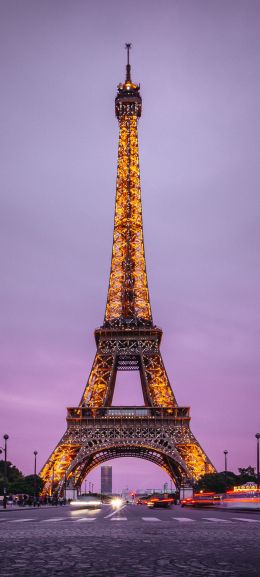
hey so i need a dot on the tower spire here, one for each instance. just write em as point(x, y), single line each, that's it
point(128, 65)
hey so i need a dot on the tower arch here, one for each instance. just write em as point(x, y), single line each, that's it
point(85, 463)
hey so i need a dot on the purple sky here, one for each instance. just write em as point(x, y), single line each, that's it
point(198, 65)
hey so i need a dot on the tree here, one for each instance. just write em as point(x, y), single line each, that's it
point(13, 475)
point(222, 482)
point(246, 475)
point(12, 472)
point(216, 482)
point(26, 486)
point(17, 483)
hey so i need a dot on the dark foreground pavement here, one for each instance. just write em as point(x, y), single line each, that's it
point(133, 542)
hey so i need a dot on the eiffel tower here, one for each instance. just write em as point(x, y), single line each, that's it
point(128, 340)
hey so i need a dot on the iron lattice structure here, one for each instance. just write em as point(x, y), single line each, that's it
point(128, 340)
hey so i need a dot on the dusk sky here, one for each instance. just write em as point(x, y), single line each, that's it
point(198, 65)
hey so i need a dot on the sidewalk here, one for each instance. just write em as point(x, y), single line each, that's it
point(30, 507)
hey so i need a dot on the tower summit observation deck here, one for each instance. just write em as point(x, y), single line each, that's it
point(128, 340)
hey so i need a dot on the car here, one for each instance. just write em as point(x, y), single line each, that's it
point(156, 502)
point(187, 502)
point(87, 502)
point(142, 501)
point(199, 500)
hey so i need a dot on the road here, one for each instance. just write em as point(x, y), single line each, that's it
point(132, 542)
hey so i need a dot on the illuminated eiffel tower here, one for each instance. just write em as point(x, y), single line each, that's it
point(128, 340)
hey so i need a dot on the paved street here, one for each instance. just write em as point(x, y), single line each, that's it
point(132, 542)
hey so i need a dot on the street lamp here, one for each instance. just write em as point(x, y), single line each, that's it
point(34, 483)
point(6, 437)
point(65, 486)
point(257, 436)
point(52, 483)
point(225, 453)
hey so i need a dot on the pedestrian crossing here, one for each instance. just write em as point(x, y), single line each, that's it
point(150, 519)
point(84, 520)
point(52, 520)
point(183, 519)
point(19, 520)
point(216, 520)
point(247, 520)
point(118, 518)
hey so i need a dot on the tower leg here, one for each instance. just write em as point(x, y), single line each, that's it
point(158, 387)
point(54, 470)
point(101, 382)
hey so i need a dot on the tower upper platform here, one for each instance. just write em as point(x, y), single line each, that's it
point(128, 100)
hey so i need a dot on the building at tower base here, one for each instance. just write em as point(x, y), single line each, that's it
point(106, 480)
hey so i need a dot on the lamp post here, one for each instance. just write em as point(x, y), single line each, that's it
point(6, 437)
point(257, 436)
point(52, 482)
point(225, 453)
point(34, 481)
point(65, 487)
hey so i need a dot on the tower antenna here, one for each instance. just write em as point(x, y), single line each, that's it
point(128, 46)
